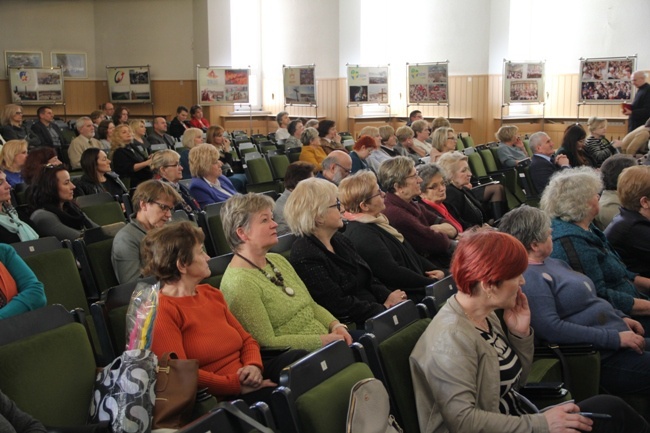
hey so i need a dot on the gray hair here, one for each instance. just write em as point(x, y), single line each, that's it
point(80, 122)
point(535, 140)
point(403, 133)
point(309, 200)
point(428, 172)
point(449, 163)
point(308, 135)
point(238, 211)
point(393, 172)
point(527, 224)
point(419, 125)
point(280, 115)
point(311, 123)
point(568, 193)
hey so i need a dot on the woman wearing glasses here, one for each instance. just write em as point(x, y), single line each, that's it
point(54, 211)
point(97, 176)
point(12, 126)
point(166, 167)
point(443, 141)
point(215, 136)
point(326, 261)
point(153, 202)
point(209, 185)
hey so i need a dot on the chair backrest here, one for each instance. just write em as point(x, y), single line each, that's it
point(315, 390)
point(285, 242)
point(397, 331)
point(254, 154)
point(476, 165)
point(218, 266)
point(279, 165)
point(105, 213)
point(210, 222)
point(37, 246)
point(259, 170)
point(293, 154)
point(489, 161)
point(49, 370)
point(94, 199)
point(441, 291)
point(459, 144)
point(467, 140)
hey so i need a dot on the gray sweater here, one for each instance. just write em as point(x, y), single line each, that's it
point(125, 254)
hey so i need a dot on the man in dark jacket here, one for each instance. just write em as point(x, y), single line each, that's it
point(640, 111)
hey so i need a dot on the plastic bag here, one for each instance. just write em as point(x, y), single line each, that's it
point(141, 316)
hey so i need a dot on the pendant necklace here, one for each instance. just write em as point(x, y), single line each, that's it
point(276, 279)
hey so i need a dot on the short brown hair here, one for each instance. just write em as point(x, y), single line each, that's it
point(633, 184)
point(297, 171)
point(151, 190)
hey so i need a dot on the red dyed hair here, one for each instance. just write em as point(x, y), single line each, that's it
point(365, 141)
point(489, 257)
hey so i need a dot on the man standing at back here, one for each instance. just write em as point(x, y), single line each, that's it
point(84, 141)
point(640, 111)
point(49, 133)
point(159, 134)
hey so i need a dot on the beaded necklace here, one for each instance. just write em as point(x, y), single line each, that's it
point(276, 279)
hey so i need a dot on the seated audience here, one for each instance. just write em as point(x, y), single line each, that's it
point(421, 134)
point(294, 129)
point(405, 146)
point(140, 134)
point(391, 258)
point(636, 141)
point(312, 150)
point(179, 123)
point(629, 232)
point(467, 204)
point(296, 172)
point(566, 310)
point(597, 146)
point(197, 120)
point(571, 200)
point(372, 132)
point(121, 115)
point(425, 231)
point(443, 141)
point(192, 137)
point(511, 150)
point(12, 160)
point(263, 290)
point(159, 133)
point(48, 132)
point(283, 122)
point(54, 211)
point(209, 185)
point(14, 420)
point(12, 229)
point(97, 176)
point(35, 161)
point(191, 316)
point(573, 146)
point(108, 109)
point(12, 127)
point(83, 141)
point(153, 202)
point(609, 203)
point(166, 167)
point(232, 168)
point(129, 161)
point(335, 167)
point(362, 149)
point(335, 274)
point(96, 117)
point(413, 116)
point(433, 192)
point(20, 290)
point(330, 139)
point(104, 133)
point(387, 149)
point(466, 368)
point(439, 122)
point(544, 162)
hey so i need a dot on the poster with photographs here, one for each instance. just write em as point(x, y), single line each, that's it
point(36, 85)
point(523, 82)
point(222, 85)
point(299, 85)
point(128, 84)
point(428, 83)
point(606, 80)
point(367, 85)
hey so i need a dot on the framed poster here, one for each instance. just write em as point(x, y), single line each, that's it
point(24, 59)
point(367, 84)
point(606, 80)
point(299, 85)
point(36, 85)
point(427, 83)
point(72, 64)
point(523, 82)
point(222, 85)
point(128, 84)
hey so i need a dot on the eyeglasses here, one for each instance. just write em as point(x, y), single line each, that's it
point(163, 207)
point(412, 175)
point(436, 185)
point(373, 196)
point(19, 112)
point(172, 165)
point(337, 205)
point(347, 170)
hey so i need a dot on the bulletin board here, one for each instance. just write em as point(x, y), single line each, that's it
point(219, 85)
point(367, 84)
point(36, 86)
point(129, 84)
point(299, 85)
point(523, 82)
point(428, 83)
point(606, 80)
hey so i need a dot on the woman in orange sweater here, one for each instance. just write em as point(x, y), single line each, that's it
point(193, 319)
point(312, 151)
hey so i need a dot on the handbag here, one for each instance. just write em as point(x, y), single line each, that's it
point(176, 384)
point(123, 392)
point(369, 409)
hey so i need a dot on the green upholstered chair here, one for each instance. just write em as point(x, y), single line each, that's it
point(210, 223)
point(439, 292)
point(101, 208)
point(224, 420)
point(468, 141)
point(218, 266)
point(259, 175)
point(48, 367)
point(285, 242)
point(391, 337)
point(294, 154)
point(314, 391)
point(279, 165)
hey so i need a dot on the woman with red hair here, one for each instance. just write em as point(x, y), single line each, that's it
point(361, 150)
point(465, 357)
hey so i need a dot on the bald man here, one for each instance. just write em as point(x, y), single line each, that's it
point(336, 167)
point(640, 112)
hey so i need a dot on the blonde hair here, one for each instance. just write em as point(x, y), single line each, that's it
point(9, 111)
point(440, 122)
point(385, 132)
point(357, 188)
point(403, 133)
point(634, 184)
point(370, 131)
point(163, 158)
point(9, 151)
point(134, 123)
point(439, 138)
point(506, 133)
point(595, 123)
point(189, 135)
point(237, 212)
point(201, 159)
point(116, 140)
point(309, 200)
point(449, 163)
